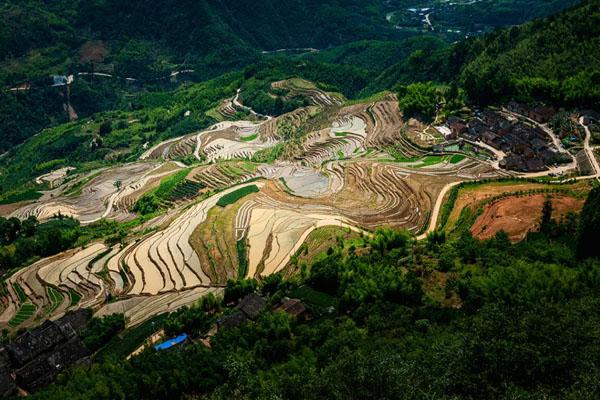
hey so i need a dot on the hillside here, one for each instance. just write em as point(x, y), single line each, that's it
point(389, 319)
point(142, 41)
point(552, 59)
point(205, 39)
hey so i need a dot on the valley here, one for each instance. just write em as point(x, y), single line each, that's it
point(340, 199)
point(338, 172)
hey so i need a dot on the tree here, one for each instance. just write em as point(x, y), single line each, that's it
point(28, 226)
point(419, 99)
point(118, 184)
point(236, 290)
point(546, 220)
point(105, 128)
point(589, 226)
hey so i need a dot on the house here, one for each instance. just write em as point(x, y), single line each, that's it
point(513, 162)
point(248, 309)
point(517, 108)
point(38, 355)
point(538, 144)
point(252, 305)
point(232, 320)
point(541, 114)
point(42, 371)
point(7, 383)
point(21, 87)
point(549, 156)
point(293, 307)
point(457, 128)
point(35, 342)
point(488, 137)
point(62, 80)
point(535, 165)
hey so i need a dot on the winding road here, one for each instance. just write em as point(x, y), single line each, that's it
point(433, 220)
point(589, 150)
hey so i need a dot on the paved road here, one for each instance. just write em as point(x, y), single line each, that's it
point(428, 20)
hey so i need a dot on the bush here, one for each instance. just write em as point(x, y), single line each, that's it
point(231, 198)
point(100, 330)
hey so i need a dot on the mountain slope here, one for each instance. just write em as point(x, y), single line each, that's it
point(553, 59)
point(556, 59)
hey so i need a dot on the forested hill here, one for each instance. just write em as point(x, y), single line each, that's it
point(149, 36)
point(556, 59)
point(553, 59)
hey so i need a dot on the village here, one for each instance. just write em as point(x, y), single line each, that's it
point(518, 136)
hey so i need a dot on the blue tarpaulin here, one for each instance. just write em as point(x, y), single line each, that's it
point(171, 342)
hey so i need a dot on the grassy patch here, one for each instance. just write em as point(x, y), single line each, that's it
point(168, 184)
point(375, 97)
point(448, 207)
point(20, 292)
point(121, 346)
point(268, 155)
point(313, 297)
point(234, 196)
point(75, 297)
point(184, 190)
point(466, 220)
point(249, 138)
point(56, 298)
point(431, 160)
point(456, 158)
point(242, 251)
point(25, 312)
point(30, 194)
point(341, 134)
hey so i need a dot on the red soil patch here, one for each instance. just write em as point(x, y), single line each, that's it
point(519, 215)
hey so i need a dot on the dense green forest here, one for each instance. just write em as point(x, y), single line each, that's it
point(553, 59)
point(392, 318)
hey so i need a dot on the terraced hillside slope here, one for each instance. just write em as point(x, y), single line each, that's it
point(252, 193)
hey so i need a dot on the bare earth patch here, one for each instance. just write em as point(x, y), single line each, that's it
point(474, 196)
point(519, 215)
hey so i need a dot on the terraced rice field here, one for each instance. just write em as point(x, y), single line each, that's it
point(25, 312)
point(300, 88)
point(275, 235)
point(223, 175)
point(99, 197)
point(231, 217)
point(225, 140)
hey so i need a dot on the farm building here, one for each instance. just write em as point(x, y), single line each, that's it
point(248, 309)
point(38, 355)
point(7, 384)
point(293, 307)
